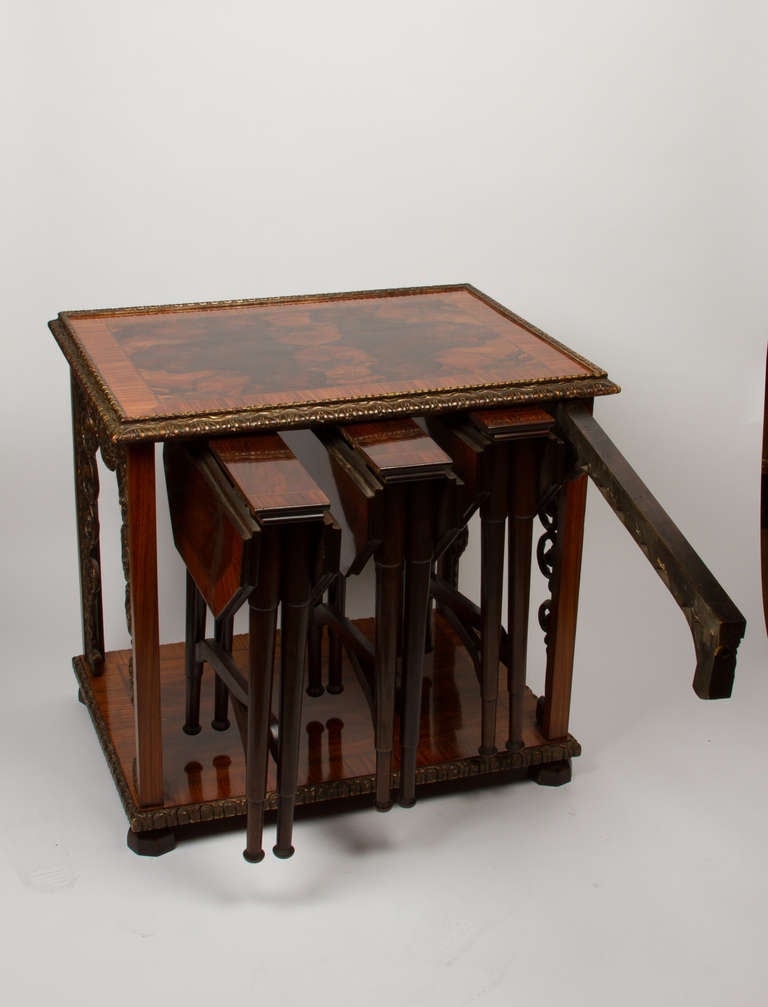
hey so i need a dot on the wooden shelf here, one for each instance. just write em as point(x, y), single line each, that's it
point(204, 775)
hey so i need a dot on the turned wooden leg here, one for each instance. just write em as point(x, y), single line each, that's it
point(418, 568)
point(142, 559)
point(314, 658)
point(299, 545)
point(562, 617)
point(389, 581)
point(337, 600)
point(195, 632)
point(522, 509)
point(493, 515)
point(223, 632)
point(262, 622)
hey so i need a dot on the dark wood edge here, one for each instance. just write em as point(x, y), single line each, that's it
point(149, 819)
point(716, 624)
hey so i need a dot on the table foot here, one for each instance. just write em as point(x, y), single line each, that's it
point(552, 774)
point(151, 844)
point(253, 858)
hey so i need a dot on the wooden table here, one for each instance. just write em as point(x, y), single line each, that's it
point(143, 375)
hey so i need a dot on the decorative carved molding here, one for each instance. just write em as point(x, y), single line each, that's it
point(417, 403)
point(86, 441)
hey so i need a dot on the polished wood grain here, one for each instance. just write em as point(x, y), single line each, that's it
point(142, 550)
point(273, 482)
point(337, 734)
point(201, 359)
point(523, 485)
point(397, 448)
point(512, 421)
point(212, 534)
point(565, 600)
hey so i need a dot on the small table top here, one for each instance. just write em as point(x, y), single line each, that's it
point(226, 367)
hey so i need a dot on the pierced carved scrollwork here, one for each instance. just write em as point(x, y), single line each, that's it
point(85, 428)
point(545, 557)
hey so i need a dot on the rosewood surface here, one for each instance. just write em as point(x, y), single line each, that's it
point(169, 371)
point(204, 775)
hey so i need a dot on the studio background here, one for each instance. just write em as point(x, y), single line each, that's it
point(600, 169)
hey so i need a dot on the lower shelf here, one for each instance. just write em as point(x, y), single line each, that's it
point(204, 774)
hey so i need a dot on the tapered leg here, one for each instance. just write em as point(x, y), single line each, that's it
point(314, 658)
point(299, 545)
point(223, 633)
point(522, 508)
point(262, 621)
point(418, 568)
point(142, 558)
point(195, 631)
point(493, 514)
point(337, 593)
point(389, 585)
point(565, 598)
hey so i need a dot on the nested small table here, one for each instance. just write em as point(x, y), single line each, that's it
point(144, 375)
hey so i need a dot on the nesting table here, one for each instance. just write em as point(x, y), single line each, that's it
point(141, 376)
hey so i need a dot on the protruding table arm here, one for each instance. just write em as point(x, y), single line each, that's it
point(716, 624)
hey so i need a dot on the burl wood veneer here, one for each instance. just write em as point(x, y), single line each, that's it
point(177, 370)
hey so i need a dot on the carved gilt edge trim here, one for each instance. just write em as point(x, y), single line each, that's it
point(311, 414)
point(147, 819)
point(85, 438)
point(597, 372)
point(119, 430)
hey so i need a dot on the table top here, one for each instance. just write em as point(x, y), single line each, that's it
point(225, 367)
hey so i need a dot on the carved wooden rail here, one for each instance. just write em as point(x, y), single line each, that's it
point(716, 624)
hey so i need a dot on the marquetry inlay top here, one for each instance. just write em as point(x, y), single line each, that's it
point(291, 357)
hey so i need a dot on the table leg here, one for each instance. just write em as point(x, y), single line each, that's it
point(142, 559)
point(493, 519)
point(262, 608)
point(85, 444)
point(389, 582)
point(418, 569)
point(565, 599)
point(296, 564)
point(521, 513)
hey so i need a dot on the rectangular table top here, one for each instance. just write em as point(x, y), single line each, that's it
point(225, 367)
